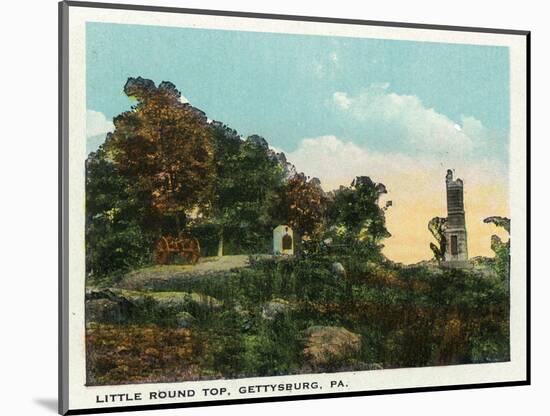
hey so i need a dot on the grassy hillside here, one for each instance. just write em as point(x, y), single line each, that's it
point(293, 315)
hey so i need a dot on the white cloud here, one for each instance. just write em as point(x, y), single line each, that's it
point(336, 162)
point(472, 127)
point(341, 99)
point(416, 187)
point(406, 121)
point(97, 124)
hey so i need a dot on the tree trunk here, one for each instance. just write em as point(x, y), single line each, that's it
point(220, 244)
point(297, 243)
point(178, 225)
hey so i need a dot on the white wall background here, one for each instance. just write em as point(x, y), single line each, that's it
point(28, 208)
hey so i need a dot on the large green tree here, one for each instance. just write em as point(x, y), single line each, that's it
point(501, 248)
point(356, 209)
point(248, 178)
point(115, 218)
point(226, 195)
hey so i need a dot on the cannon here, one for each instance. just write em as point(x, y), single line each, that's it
point(168, 247)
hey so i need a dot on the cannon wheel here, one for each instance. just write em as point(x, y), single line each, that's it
point(190, 249)
point(162, 251)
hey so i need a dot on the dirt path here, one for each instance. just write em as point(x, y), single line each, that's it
point(168, 276)
point(220, 263)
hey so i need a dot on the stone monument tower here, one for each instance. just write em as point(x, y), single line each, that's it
point(456, 248)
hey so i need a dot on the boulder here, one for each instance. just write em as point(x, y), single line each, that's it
point(180, 301)
point(120, 306)
point(326, 344)
point(275, 308)
point(105, 306)
point(185, 320)
point(338, 270)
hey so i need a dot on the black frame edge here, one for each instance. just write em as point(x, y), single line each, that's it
point(63, 199)
point(528, 207)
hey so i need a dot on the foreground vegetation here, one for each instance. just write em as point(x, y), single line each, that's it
point(287, 316)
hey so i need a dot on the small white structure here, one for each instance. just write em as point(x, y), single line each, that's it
point(283, 240)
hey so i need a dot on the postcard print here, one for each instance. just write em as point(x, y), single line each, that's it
point(269, 205)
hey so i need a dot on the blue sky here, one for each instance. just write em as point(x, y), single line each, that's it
point(282, 86)
point(401, 112)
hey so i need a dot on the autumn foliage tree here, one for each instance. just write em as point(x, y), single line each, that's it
point(164, 147)
point(302, 204)
point(166, 169)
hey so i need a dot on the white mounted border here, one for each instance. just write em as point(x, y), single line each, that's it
point(75, 397)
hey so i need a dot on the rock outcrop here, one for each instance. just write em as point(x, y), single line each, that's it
point(275, 308)
point(117, 306)
point(324, 344)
